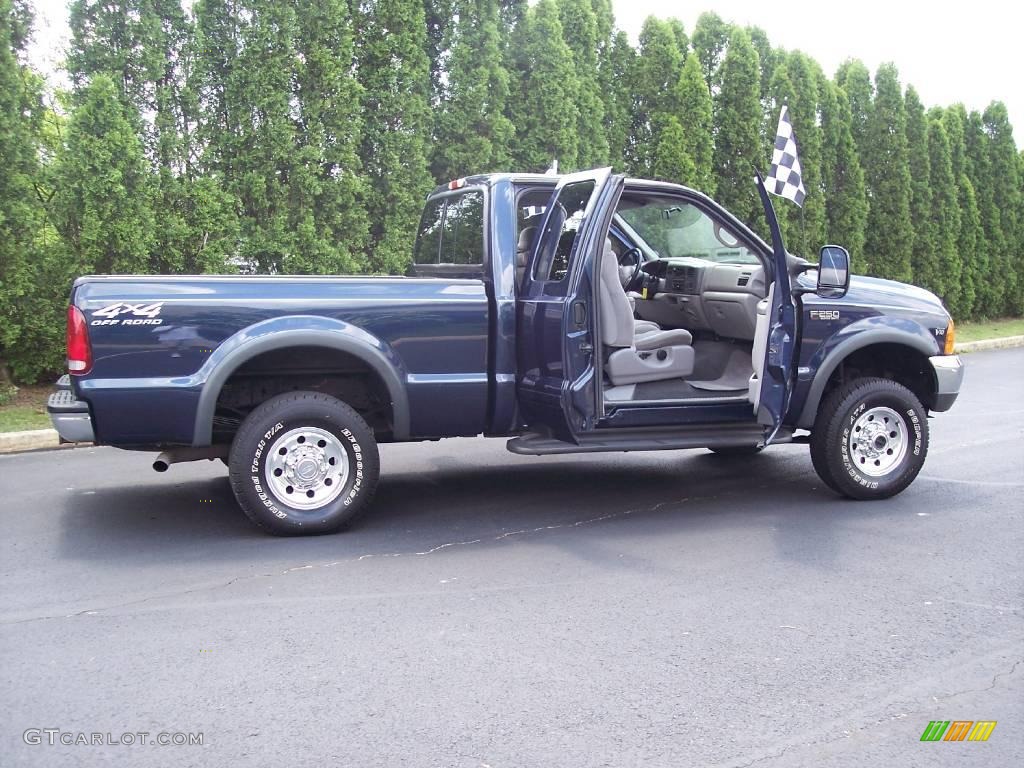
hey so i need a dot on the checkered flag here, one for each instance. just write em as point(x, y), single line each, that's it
point(785, 179)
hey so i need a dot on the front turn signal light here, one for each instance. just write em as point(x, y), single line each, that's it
point(950, 338)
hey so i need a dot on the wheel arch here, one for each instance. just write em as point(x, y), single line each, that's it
point(883, 341)
point(300, 331)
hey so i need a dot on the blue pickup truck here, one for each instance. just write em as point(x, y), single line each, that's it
point(567, 314)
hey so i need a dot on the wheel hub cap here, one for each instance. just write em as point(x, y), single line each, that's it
point(306, 468)
point(878, 441)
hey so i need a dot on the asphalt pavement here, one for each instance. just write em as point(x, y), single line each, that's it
point(658, 609)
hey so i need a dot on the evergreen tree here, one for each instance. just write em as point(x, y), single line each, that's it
point(657, 70)
point(474, 134)
point(988, 286)
point(438, 17)
point(737, 118)
point(845, 195)
point(855, 79)
point(619, 99)
point(971, 241)
point(796, 83)
point(946, 281)
point(1005, 184)
point(671, 159)
point(710, 40)
point(890, 231)
point(102, 186)
point(543, 103)
point(580, 28)
point(395, 74)
point(924, 258)
point(695, 119)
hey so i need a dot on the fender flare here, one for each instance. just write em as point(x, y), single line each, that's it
point(299, 331)
point(919, 342)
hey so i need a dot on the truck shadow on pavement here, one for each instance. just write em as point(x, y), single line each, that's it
point(607, 496)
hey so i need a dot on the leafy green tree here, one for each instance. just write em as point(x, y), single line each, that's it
point(710, 40)
point(102, 198)
point(543, 104)
point(438, 17)
point(989, 289)
point(890, 230)
point(695, 119)
point(657, 70)
point(1005, 183)
point(947, 280)
point(737, 108)
point(855, 79)
point(580, 28)
point(796, 83)
point(671, 159)
point(924, 258)
point(474, 134)
point(34, 276)
point(845, 195)
point(395, 74)
point(618, 102)
point(971, 246)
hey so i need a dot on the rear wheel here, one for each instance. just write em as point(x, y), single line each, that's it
point(870, 439)
point(303, 463)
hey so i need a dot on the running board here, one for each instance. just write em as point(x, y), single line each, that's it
point(672, 439)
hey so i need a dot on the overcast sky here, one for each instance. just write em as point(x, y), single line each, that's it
point(951, 51)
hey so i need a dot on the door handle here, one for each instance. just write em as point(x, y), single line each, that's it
point(579, 314)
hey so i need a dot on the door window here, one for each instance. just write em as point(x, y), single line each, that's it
point(555, 262)
point(677, 229)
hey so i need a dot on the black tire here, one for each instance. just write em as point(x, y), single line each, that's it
point(288, 414)
point(897, 446)
point(737, 450)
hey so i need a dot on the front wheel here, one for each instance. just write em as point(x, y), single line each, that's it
point(303, 463)
point(870, 439)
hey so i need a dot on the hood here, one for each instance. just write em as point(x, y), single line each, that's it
point(876, 291)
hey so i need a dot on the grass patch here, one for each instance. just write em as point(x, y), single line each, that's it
point(26, 410)
point(15, 418)
point(990, 329)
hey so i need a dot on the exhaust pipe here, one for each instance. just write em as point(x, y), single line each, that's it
point(188, 453)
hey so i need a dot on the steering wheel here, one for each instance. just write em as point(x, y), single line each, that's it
point(629, 266)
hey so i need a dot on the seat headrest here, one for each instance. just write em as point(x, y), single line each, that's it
point(525, 245)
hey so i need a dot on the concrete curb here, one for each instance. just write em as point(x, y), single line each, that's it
point(1005, 342)
point(29, 440)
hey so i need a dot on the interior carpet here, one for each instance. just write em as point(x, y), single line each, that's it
point(735, 377)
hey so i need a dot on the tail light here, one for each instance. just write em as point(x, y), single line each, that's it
point(79, 348)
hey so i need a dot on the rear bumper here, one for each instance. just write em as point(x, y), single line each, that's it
point(70, 416)
point(949, 375)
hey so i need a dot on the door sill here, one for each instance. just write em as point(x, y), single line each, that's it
point(654, 439)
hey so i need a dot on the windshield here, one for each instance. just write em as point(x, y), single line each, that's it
point(675, 229)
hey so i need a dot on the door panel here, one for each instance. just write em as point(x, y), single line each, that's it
point(777, 370)
point(554, 328)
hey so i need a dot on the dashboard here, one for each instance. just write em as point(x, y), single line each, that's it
point(701, 295)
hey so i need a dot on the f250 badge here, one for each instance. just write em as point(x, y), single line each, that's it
point(824, 314)
point(139, 314)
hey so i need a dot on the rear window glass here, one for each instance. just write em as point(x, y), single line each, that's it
point(452, 230)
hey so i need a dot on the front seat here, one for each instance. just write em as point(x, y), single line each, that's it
point(632, 359)
point(523, 248)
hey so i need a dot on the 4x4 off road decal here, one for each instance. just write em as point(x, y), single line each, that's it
point(139, 314)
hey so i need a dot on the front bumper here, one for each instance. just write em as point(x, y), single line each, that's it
point(949, 375)
point(70, 416)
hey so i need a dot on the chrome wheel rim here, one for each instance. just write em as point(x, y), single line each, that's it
point(306, 468)
point(878, 441)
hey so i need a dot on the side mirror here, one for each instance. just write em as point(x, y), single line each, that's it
point(833, 272)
